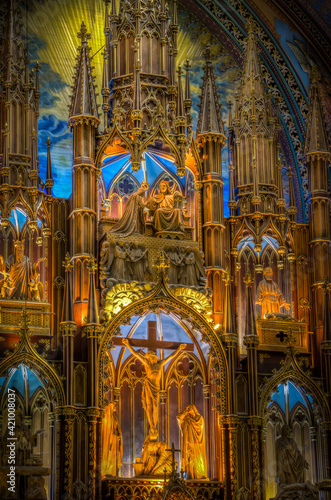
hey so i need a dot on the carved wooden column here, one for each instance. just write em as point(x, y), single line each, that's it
point(65, 416)
point(229, 426)
point(94, 483)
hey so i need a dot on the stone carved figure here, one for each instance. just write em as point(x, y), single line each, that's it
point(166, 216)
point(290, 464)
point(192, 269)
point(152, 382)
point(132, 221)
point(112, 442)
point(156, 456)
point(194, 456)
point(122, 262)
point(138, 255)
point(20, 276)
point(269, 295)
point(306, 491)
point(186, 266)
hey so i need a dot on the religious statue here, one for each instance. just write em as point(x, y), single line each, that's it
point(151, 388)
point(290, 464)
point(269, 295)
point(138, 255)
point(166, 216)
point(185, 266)
point(132, 221)
point(36, 289)
point(20, 276)
point(192, 269)
point(121, 262)
point(112, 442)
point(173, 254)
point(194, 456)
point(156, 456)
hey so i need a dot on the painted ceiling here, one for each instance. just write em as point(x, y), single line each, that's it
point(287, 56)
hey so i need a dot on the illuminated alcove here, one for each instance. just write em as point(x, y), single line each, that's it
point(34, 428)
point(118, 181)
point(292, 406)
point(186, 379)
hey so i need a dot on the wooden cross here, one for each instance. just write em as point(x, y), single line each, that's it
point(152, 343)
point(173, 451)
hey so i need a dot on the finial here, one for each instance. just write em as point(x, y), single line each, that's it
point(226, 277)
point(314, 74)
point(92, 265)
point(250, 25)
point(67, 264)
point(83, 34)
point(248, 280)
point(326, 285)
point(161, 263)
point(207, 53)
point(48, 142)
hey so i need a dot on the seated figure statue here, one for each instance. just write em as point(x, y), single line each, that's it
point(166, 216)
point(270, 297)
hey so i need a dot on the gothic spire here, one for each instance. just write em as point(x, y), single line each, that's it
point(229, 324)
point(92, 311)
point(67, 311)
point(83, 99)
point(12, 53)
point(252, 77)
point(250, 326)
point(316, 140)
point(49, 175)
point(210, 120)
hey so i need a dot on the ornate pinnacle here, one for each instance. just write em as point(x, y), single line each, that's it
point(227, 278)
point(207, 53)
point(326, 285)
point(92, 265)
point(48, 142)
point(83, 34)
point(161, 263)
point(67, 264)
point(248, 280)
point(250, 25)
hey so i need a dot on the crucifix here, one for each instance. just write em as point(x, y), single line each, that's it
point(173, 451)
point(154, 369)
point(152, 343)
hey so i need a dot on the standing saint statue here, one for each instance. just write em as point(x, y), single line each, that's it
point(290, 464)
point(269, 295)
point(112, 442)
point(194, 456)
point(152, 382)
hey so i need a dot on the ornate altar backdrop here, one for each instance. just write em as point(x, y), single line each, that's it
point(165, 321)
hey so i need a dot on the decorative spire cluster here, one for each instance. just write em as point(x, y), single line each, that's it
point(254, 138)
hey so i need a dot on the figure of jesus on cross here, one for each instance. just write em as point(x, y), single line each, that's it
point(152, 382)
